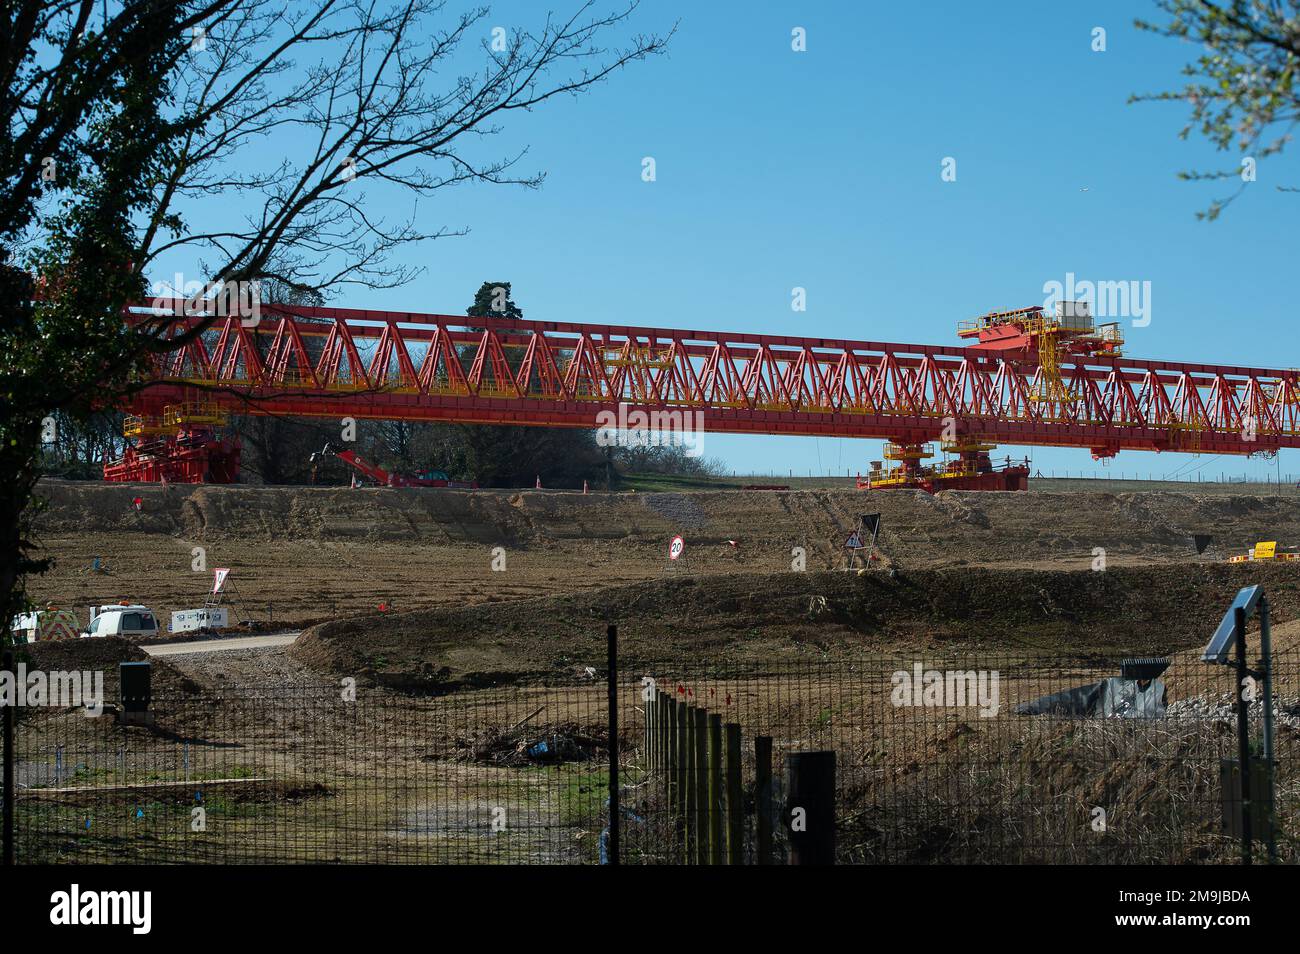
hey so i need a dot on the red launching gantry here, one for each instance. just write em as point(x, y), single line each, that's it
point(1027, 378)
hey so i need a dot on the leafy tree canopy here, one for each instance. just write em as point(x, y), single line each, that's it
point(1243, 88)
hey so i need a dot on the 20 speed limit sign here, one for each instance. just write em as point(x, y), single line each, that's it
point(676, 548)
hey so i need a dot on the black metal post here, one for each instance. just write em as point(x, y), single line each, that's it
point(1243, 731)
point(810, 807)
point(8, 837)
point(1270, 769)
point(611, 651)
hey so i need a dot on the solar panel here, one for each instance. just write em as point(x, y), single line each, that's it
point(1221, 643)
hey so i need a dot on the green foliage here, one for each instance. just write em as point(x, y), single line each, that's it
point(1244, 83)
point(492, 300)
point(502, 456)
point(112, 126)
point(80, 158)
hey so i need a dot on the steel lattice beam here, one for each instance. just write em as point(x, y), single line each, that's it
point(334, 362)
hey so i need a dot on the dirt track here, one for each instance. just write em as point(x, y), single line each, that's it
point(303, 555)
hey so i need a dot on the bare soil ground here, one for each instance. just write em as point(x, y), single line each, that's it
point(305, 555)
point(803, 656)
point(750, 619)
point(1113, 481)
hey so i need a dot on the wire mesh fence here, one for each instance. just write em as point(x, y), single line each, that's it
point(313, 775)
point(967, 760)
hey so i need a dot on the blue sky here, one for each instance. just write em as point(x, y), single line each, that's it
point(821, 169)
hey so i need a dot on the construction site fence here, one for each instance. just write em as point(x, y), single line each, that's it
point(876, 759)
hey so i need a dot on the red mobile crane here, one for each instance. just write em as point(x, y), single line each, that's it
point(428, 478)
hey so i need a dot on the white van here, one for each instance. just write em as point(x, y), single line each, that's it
point(49, 623)
point(129, 620)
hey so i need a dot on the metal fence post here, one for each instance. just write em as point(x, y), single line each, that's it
point(611, 652)
point(1270, 795)
point(1243, 731)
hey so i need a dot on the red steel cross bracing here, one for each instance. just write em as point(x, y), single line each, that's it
point(338, 362)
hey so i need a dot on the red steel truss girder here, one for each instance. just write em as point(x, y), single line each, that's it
point(452, 368)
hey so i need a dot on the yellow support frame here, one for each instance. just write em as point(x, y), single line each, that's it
point(901, 451)
point(194, 412)
point(1051, 387)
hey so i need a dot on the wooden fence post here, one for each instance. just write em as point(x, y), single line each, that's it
point(647, 730)
point(717, 847)
point(763, 796)
point(666, 719)
point(701, 787)
point(692, 790)
point(735, 799)
point(666, 731)
point(670, 724)
point(681, 780)
point(660, 708)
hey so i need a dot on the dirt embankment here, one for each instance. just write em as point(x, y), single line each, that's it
point(302, 555)
point(918, 529)
point(1123, 611)
point(102, 655)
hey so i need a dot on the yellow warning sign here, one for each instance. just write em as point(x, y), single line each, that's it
point(1265, 549)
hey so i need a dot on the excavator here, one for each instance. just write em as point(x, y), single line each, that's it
point(382, 478)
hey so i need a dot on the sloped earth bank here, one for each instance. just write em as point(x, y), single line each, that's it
point(302, 555)
point(777, 618)
point(1002, 577)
